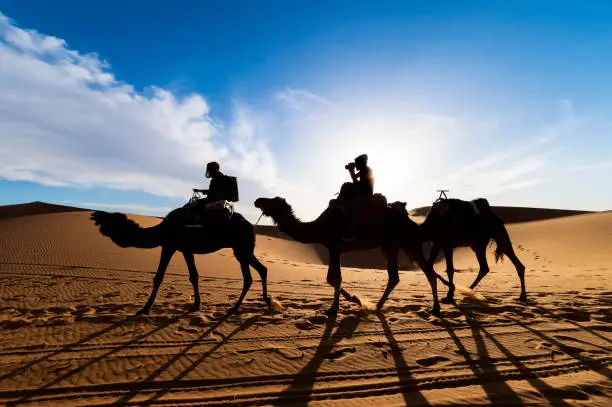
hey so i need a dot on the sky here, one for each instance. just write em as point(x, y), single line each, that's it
point(119, 105)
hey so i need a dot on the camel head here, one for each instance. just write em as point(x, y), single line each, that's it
point(399, 206)
point(273, 207)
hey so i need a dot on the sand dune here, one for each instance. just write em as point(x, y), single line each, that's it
point(69, 337)
point(33, 208)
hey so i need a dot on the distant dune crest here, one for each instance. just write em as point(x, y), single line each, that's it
point(34, 208)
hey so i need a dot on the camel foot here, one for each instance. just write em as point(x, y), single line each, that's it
point(268, 300)
point(448, 300)
point(523, 297)
point(144, 311)
point(331, 311)
point(194, 308)
point(436, 312)
point(233, 310)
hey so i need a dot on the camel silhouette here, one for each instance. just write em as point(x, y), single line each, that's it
point(172, 235)
point(383, 227)
point(453, 223)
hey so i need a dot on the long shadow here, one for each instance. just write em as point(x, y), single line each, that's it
point(299, 392)
point(548, 392)
point(569, 321)
point(243, 326)
point(403, 371)
point(592, 364)
point(554, 396)
point(491, 381)
point(176, 357)
point(66, 348)
point(94, 360)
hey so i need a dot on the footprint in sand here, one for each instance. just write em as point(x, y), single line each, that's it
point(188, 329)
point(289, 353)
point(310, 322)
point(432, 360)
point(340, 353)
point(574, 315)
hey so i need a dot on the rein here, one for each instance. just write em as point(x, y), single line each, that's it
point(275, 227)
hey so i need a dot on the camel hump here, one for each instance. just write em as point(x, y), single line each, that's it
point(481, 206)
point(379, 198)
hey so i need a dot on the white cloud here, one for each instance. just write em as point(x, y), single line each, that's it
point(301, 99)
point(66, 120)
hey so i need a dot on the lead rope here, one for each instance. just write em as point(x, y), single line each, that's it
point(275, 227)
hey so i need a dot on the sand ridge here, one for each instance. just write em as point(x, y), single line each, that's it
point(69, 335)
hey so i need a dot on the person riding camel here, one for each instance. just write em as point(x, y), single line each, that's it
point(222, 188)
point(215, 189)
point(363, 190)
point(364, 178)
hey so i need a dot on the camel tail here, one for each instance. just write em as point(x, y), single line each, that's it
point(500, 234)
point(125, 232)
point(501, 238)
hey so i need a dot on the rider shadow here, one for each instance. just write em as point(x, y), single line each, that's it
point(299, 392)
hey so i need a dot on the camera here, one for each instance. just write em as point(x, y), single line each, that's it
point(349, 166)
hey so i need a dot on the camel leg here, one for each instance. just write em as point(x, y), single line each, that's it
point(433, 254)
point(393, 272)
point(520, 269)
point(164, 260)
point(247, 280)
point(263, 274)
point(481, 255)
point(193, 278)
point(450, 271)
point(334, 278)
point(416, 254)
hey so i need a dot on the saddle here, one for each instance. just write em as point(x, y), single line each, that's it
point(211, 213)
point(363, 212)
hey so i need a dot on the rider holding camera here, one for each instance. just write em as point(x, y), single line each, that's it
point(363, 181)
point(363, 178)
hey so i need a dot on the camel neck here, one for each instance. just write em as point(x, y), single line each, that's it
point(303, 232)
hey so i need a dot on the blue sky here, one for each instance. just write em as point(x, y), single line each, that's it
point(119, 105)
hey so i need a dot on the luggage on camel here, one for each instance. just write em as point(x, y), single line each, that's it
point(203, 212)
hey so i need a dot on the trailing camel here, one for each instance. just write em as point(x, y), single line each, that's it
point(453, 223)
point(172, 235)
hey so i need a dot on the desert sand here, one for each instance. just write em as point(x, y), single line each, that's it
point(68, 334)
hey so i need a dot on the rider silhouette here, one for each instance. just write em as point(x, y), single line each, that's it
point(364, 178)
point(215, 191)
point(221, 188)
point(363, 181)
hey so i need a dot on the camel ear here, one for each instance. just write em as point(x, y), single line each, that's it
point(404, 204)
